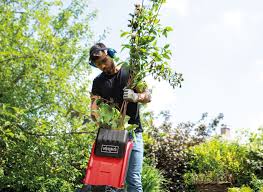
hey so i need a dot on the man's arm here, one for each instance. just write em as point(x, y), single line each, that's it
point(94, 107)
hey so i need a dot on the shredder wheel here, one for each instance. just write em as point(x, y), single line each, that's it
point(89, 188)
point(98, 189)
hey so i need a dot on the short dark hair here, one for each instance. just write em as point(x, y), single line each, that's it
point(93, 49)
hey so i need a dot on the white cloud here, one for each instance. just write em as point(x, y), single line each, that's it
point(181, 7)
point(233, 19)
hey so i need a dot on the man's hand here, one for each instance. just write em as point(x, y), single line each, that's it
point(130, 96)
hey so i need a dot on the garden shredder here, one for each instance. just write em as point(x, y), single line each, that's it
point(109, 158)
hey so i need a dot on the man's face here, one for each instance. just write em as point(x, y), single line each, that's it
point(105, 64)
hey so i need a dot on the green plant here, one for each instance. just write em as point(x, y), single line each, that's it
point(218, 161)
point(256, 184)
point(255, 157)
point(242, 189)
point(152, 179)
point(167, 147)
point(234, 189)
point(110, 117)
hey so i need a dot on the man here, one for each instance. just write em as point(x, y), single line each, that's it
point(111, 86)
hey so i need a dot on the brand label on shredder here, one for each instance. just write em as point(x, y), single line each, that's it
point(109, 149)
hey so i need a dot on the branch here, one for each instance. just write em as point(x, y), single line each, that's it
point(155, 18)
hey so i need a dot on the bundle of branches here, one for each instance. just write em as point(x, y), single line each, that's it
point(147, 57)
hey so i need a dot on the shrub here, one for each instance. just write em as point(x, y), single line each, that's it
point(218, 161)
point(255, 157)
point(256, 184)
point(242, 189)
point(152, 179)
point(167, 147)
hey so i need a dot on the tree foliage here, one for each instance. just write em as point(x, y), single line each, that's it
point(147, 56)
point(43, 94)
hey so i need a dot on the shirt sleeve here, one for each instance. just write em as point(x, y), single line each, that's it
point(95, 90)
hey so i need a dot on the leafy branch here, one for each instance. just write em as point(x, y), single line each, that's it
point(147, 57)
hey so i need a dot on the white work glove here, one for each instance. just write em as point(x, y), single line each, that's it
point(130, 96)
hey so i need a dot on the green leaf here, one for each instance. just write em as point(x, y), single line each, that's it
point(168, 28)
point(166, 56)
point(124, 34)
point(166, 46)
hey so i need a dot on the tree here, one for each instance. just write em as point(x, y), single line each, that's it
point(43, 94)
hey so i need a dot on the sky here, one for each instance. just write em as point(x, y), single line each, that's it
point(217, 45)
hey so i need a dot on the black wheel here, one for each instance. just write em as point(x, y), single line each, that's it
point(99, 188)
point(93, 188)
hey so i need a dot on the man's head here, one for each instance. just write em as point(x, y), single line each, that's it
point(99, 56)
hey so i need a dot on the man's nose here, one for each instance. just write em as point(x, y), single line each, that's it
point(103, 67)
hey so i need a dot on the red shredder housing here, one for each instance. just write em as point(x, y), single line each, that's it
point(105, 170)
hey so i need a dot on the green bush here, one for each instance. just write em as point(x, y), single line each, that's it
point(256, 184)
point(255, 157)
point(152, 179)
point(234, 189)
point(167, 147)
point(218, 160)
point(242, 189)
